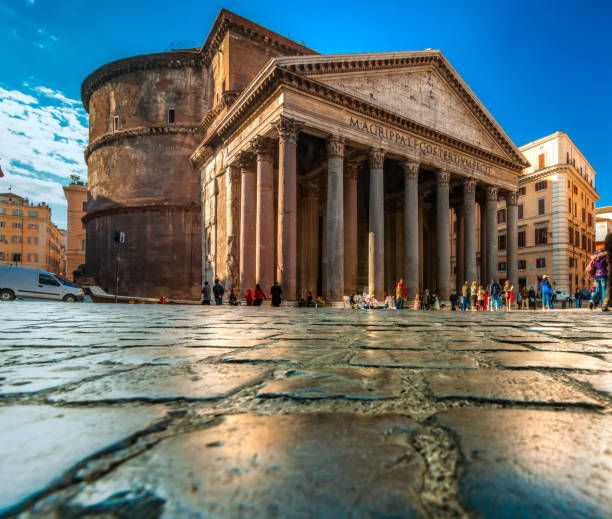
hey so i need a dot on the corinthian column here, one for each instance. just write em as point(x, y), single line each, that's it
point(248, 211)
point(443, 234)
point(309, 235)
point(232, 203)
point(469, 238)
point(411, 227)
point(288, 130)
point(264, 235)
point(350, 227)
point(334, 290)
point(491, 242)
point(376, 236)
point(512, 237)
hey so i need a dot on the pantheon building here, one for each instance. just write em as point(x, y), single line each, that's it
point(255, 159)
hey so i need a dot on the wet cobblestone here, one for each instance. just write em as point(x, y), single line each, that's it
point(167, 411)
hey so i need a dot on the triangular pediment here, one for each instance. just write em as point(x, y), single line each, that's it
point(420, 86)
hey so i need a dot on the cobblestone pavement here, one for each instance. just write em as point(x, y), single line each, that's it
point(170, 411)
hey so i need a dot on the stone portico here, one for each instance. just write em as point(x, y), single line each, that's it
point(335, 173)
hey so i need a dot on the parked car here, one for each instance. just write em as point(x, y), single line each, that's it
point(562, 295)
point(36, 283)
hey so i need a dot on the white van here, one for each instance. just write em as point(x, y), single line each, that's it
point(40, 284)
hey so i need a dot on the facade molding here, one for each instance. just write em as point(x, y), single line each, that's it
point(150, 208)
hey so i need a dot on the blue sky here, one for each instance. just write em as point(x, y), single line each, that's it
point(538, 67)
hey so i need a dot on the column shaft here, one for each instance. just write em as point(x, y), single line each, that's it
point(484, 276)
point(376, 235)
point(350, 229)
point(491, 241)
point(459, 249)
point(469, 239)
point(512, 239)
point(443, 234)
point(287, 207)
point(264, 236)
point(412, 245)
point(334, 290)
point(248, 210)
point(232, 219)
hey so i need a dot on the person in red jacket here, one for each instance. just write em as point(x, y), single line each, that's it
point(249, 297)
point(259, 295)
point(400, 294)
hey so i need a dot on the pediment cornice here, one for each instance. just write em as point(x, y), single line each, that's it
point(277, 73)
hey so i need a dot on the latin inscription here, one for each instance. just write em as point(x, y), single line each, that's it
point(414, 144)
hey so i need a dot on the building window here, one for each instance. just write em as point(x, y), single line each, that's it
point(501, 242)
point(541, 236)
point(16, 257)
point(171, 116)
point(501, 216)
point(583, 215)
point(82, 244)
point(17, 212)
point(541, 263)
point(521, 211)
point(17, 225)
point(541, 185)
point(501, 266)
point(589, 245)
point(541, 160)
point(33, 214)
point(584, 242)
point(575, 209)
point(521, 191)
point(33, 240)
point(575, 190)
point(1, 256)
point(33, 258)
point(116, 123)
point(84, 206)
point(16, 239)
point(541, 206)
point(521, 238)
point(571, 236)
point(2, 238)
point(577, 239)
point(33, 226)
point(590, 219)
point(571, 262)
point(2, 224)
point(522, 264)
point(2, 210)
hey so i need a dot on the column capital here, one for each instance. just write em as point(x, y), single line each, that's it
point(335, 146)
point(351, 168)
point(512, 198)
point(411, 168)
point(262, 146)
point(469, 186)
point(492, 193)
point(287, 128)
point(377, 158)
point(245, 160)
point(442, 178)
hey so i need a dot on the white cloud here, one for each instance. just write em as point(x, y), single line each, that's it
point(43, 135)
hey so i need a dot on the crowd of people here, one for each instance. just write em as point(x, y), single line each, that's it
point(494, 297)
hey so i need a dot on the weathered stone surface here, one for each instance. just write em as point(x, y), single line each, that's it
point(162, 383)
point(337, 382)
point(413, 359)
point(42, 445)
point(503, 385)
point(308, 465)
point(526, 339)
point(574, 346)
point(294, 355)
point(600, 381)
point(224, 343)
point(548, 359)
point(528, 464)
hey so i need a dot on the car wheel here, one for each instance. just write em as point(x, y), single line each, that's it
point(69, 299)
point(7, 295)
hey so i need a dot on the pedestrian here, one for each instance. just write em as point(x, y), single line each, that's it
point(598, 270)
point(524, 298)
point(259, 295)
point(206, 293)
point(487, 298)
point(249, 296)
point(275, 294)
point(465, 295)
point(532, 298)
point(218, 292)
point(417, 302)
point(233, 300)
point(481, 298)
point(547, 293)
point(578, 298)
point(427, 301)
point(508, 295)
point(400, 294)
point(453, 300)
point(608, 249)
point(309, 301)
point(474, 295)
point(436, 302)
point(494, 295)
